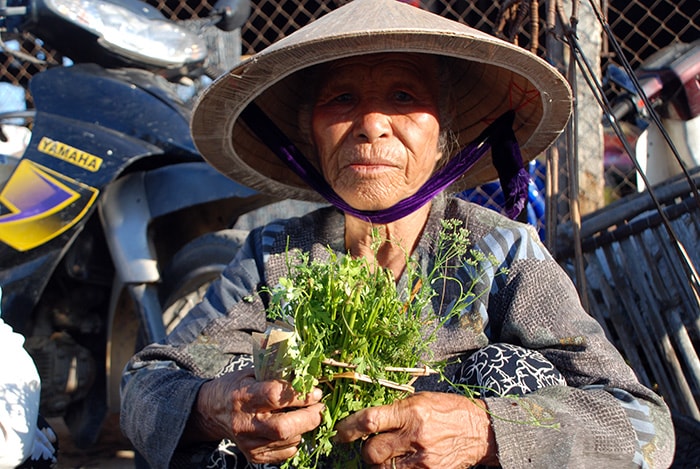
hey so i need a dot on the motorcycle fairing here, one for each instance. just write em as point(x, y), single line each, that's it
point(38, 204)
point(127, 101)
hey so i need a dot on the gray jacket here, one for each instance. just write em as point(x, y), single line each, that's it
point(605, 417)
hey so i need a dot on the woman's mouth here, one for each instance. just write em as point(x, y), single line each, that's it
point(370, 168)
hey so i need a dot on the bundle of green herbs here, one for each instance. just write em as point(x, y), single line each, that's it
point(355, 335)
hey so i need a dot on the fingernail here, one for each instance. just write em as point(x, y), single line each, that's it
point(317, 394)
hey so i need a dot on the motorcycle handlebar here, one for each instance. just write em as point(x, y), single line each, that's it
point(623, 108)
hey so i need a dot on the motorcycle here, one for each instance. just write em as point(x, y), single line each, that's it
point(111, 224)
point(669, 81)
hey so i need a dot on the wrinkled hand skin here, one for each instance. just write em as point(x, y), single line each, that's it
point(264, 419)
point(425, 430)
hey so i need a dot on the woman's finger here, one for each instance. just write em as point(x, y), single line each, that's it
point(287, 425)
point(369, 421)
point(272, 453)
point(382, 448)
point(264, 450)
point(277, 394)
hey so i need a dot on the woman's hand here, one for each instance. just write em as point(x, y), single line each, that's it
point(426, 430)
point(265, 419)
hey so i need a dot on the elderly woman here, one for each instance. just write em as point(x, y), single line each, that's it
point(378, 107)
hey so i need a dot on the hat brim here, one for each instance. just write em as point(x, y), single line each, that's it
point(491, 77)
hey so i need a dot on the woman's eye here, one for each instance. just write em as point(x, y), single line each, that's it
point(403, 96)
point(343, 98)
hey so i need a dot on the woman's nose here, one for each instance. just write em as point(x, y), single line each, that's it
point(372, 124)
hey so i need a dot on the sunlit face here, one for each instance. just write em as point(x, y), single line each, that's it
point(375, 127)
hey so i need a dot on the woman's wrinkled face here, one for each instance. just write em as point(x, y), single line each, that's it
point(375, 127)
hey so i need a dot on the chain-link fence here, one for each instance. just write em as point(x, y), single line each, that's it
point(642, 27)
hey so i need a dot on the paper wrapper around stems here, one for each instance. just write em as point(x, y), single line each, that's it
point(270, 353)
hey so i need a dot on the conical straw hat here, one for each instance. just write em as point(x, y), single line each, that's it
point(491, 76)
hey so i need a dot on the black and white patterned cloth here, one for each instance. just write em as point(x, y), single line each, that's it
point(500, 370)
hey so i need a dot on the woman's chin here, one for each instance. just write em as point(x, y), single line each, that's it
point(363, 194)
point(369, 202)
point(374, 206)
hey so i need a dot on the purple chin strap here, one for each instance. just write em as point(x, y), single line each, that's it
point(498, 136)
